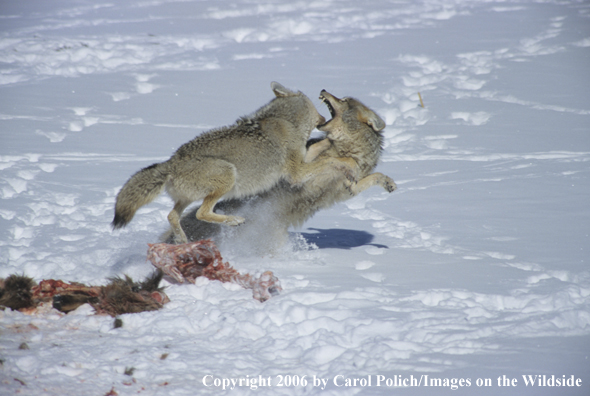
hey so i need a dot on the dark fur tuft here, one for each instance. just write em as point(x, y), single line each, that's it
point(69, 302)
point(119, 221)
point(123, 295)
point(152, 282)
point(16, 292)
point(142, 188)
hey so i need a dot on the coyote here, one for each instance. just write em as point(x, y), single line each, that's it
point(353, 137)
point(235, 161)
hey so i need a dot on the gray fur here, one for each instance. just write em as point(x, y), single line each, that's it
point(353, 143)
point(237, 161)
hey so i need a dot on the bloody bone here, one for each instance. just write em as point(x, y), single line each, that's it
point(48, 288)
point(202, 258)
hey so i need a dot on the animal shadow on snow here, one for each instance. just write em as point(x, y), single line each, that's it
point(335, 238)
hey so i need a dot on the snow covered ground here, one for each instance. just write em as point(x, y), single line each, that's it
point(475, 268)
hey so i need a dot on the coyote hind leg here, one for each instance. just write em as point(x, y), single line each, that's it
point(221, 183)
point(205, 212)
point(174, 220)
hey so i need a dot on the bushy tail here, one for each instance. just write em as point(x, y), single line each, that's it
point(141, 189)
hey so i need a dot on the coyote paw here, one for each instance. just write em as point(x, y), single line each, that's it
point(349, 186)
point(179, 240)
point(179, 237)
point(388, 184)
point(234, 220)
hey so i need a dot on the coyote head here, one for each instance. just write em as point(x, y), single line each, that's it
point(346, 113)
point(294, 107)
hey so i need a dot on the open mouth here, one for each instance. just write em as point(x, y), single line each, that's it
point(328, 105)
point(330, 109)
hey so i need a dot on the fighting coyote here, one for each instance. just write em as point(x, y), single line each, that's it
point(353, 138)
point(237, 161)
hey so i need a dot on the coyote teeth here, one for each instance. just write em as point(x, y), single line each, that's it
point(328, 105)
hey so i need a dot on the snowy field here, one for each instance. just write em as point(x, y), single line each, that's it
point(475, 268)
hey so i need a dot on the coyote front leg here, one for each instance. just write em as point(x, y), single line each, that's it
point(374, 179)
point(315, 169)
point(316, 149)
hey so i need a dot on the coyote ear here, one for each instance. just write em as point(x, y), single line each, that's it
point(279, 90)
point(371, 119)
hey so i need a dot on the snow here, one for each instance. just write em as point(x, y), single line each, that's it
point(475, 269)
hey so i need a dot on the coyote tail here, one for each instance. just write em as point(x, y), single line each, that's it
point(141, 189)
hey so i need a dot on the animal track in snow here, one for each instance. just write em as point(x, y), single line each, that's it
point(477, 118)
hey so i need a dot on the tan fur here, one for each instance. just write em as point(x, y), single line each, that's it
point(237, 161)
point(342, 166)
